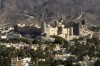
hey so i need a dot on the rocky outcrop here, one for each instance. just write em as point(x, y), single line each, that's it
point(12, 11)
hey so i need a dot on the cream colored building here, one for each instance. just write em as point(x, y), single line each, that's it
point(20, 62)
point(68, 31)
point(15, 62)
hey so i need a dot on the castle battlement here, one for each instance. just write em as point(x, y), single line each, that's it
point(67, 30)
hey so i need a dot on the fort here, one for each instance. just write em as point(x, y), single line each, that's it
point(67, 30)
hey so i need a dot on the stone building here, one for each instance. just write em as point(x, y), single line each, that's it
point(68, 30)
point(15, 62)
point(20, 62)
point(27, 29)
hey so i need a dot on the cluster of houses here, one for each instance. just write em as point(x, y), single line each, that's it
point(66, 30)
point(20, 62)
point(8, 32)
point(57, 47)
point(85, 62)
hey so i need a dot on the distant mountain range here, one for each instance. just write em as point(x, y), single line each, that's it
point(36, 11)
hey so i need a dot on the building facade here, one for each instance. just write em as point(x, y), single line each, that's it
point(68, 30)
point(20, 62)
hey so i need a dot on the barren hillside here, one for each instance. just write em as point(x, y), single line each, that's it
point(35, 11)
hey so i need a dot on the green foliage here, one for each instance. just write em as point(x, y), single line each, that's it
point(15, 40)
point(42, 63)
point(59, 40)
point(78, 49)
point(94, 28)
point(89, 48)
point(97, 63)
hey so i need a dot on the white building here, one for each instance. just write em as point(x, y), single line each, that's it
point(63, 56)
point(20, 62)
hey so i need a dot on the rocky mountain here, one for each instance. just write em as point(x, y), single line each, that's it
point(35, 11)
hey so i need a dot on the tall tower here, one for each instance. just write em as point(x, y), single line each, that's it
point(83, 23)
point(71, 31)
point(43, 27)
point(82, 27)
